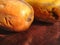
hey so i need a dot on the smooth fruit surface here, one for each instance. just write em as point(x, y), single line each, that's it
point(16, 15)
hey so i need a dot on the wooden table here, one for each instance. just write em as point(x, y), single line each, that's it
point(38, 34)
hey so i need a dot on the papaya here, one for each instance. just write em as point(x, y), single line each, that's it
point(15, 15)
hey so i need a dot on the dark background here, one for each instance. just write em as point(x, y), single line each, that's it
point(39, 33)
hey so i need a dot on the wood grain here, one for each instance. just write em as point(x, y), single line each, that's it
point(39, 33)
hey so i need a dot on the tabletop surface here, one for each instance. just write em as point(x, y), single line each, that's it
point(37, 34)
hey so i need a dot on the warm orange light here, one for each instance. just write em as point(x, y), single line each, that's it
point(15, 15)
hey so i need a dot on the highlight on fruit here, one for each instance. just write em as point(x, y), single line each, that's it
point(15, 15)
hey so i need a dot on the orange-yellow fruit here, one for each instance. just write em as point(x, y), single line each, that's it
point(16, 15)
point(46, 10)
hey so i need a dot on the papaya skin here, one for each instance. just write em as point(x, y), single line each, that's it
point(16, 15)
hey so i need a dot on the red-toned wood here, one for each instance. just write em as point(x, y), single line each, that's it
point(37, 34)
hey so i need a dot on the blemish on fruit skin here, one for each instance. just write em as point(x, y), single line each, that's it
point(29, 19)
